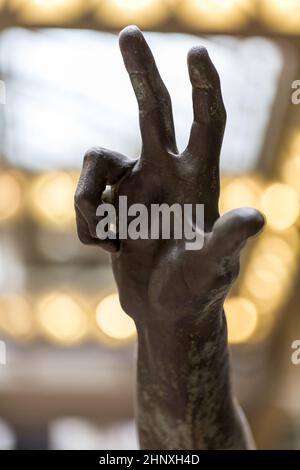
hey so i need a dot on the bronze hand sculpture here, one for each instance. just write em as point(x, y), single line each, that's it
point(175, 296)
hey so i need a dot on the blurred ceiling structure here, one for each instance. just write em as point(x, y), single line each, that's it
point(77, 82)
point(234, 16)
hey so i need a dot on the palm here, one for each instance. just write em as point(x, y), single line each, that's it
point(158, 274)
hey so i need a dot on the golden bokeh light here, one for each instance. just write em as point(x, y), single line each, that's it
point(241, 318)
point(48, 11)
point(144, 13)
point(263, 329)
point(294, 143)
point(291, 172)
point(11, 195)
point(291, 237)
point(240, 192)
point(51, 200)
point(114, 324)
point(62, 318)
point(270, 272)
point(224, 15)
point(279, 246)
point(281, 15)
point(267, 278)
point(280, 204)
point(16, 317)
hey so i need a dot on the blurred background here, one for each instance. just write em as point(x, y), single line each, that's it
point(70, 350)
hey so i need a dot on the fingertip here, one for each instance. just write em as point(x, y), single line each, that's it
point(256, 220)
point(135, 50)
point(247, 221)
point(196, 54)
point(202, 71)
point(129, 35)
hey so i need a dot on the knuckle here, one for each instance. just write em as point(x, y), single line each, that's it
point(79, 198)
point(217, 113)
point(83, 202)
point(84, 238)
point(94, 153)
point(83, 232)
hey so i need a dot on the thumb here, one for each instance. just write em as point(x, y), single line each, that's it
point(232, 230)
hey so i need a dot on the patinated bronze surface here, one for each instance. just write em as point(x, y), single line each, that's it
point(175, 296)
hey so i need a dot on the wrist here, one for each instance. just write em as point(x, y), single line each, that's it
point(205, 325)
point(183, 347)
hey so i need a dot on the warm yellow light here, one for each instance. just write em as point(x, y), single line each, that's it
point(241, 317)
point(132, 4)
point(291, 172)
point(282, 15)
point(269, 274)
point(294, 145)
point(48, 11)
point(216, 14)
point(144, 13)
point(263, 328)
point(16, 316)
point(11, 195)
point(62, 318)
point(51, 200)
point(278, 246)
point(271, 265)
point(291, 237)
point(113, 321)
point(266, 278)
point(240, 192)
point(280, 204)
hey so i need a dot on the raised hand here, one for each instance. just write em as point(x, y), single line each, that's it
point(174, 295)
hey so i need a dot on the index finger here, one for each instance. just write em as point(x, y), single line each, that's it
point(156, 117)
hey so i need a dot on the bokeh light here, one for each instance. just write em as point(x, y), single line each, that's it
point(280, 204)
point(241, 318)
point(48, 11)
point(285, 246)
point(216, 14)
point(114, 324)
point(62, 318)
point(17, 317)
point(281, 15)
point(11, 195)
point(144, 13)
point(51, 199)
point(270, 276)
point(267, 277)
point(240, 192)
point(294, 143)
point(291, 172)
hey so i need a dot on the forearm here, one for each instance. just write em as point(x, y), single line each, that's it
point(185, 399)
